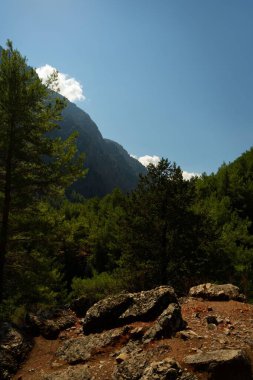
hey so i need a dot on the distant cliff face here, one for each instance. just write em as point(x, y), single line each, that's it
point(109, 164)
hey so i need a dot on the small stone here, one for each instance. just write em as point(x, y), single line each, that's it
point(211, 326)
point(122, 357)
point(212, 319)
point(56, 364)
point(226, 331)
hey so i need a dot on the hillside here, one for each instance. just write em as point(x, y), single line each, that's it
point(109, 164)
point(198, 339)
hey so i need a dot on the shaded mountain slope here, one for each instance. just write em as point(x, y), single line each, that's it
point(109, 165)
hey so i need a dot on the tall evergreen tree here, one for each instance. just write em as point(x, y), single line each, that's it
point(32, 165)
point(159, 231)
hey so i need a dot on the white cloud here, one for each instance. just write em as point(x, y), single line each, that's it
point(187, 175)
point(67, 86)
point(146, 160)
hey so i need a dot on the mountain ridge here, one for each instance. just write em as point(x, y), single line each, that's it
point(110, 165)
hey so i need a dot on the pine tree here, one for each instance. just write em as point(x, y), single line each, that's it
point(33, 166)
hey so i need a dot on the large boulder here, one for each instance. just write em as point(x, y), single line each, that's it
point(126, 308)
point(148, 305)
point(138, 364)
point(79, 350)
point(105, 313)
point(14, 347)
point(167, 369)
point(167, 324)
point(50, 323)
point(222, 364)
point(214, 292)
point(81, 305)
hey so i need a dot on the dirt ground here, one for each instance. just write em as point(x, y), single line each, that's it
point(234, 330)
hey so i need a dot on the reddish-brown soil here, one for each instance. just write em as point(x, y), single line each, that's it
point(235, 330)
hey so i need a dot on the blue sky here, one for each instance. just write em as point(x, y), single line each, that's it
point(172, 78)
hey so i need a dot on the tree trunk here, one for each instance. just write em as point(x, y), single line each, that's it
point(5, 214)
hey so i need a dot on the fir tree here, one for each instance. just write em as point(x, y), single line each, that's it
point(33, 166)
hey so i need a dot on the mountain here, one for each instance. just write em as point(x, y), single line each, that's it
point(109, 164)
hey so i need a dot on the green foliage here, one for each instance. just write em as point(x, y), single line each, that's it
point(167, 231)
point(97, 287)
point(227, 200)
point(34, 170)
point(160, 230)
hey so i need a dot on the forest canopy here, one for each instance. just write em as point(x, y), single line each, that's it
point(53, 249)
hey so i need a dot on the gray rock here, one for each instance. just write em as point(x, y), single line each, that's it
point(50, 323)
point(81, 305)
point(78, 373)
point(79, 350)
point(126, 308)
point(222, 364)
point(212, 319)
point(223, 292)
point(187, 335)
point(148, 305)
point(138, 364)
point(14, 347)
point(167, 324)
point(105, 313)
point(133, 367)
point(167, 369)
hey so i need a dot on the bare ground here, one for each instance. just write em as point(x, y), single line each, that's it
point(234, 330)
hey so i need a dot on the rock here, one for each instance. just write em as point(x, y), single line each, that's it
point(167, 324)
point(50, 323)
point(122, 357)
point(14, 347)
point(140, 366)
point(222, 364)
point(78, 373)
point(213, 292)
point(137, 332)
point(187, 334)
point(126, 308)
point(81, 305)
point(148, 305)
point(79, 350)
point(132, 368)
point(167, 369)
point(212, 319)
point(105, 313)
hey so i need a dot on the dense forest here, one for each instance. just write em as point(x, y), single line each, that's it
point(54, 249)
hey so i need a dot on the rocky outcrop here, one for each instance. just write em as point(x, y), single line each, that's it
point(79, 350)
point(148, 305)
point(50, 323)
point(14, 347)
point(165, 370)
point(81, 305)
point(139, 365)
point(167, 324)
point(215, 292)
point(127, 308)
point(105, 313)
point(146, 338)
point(222, 364)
